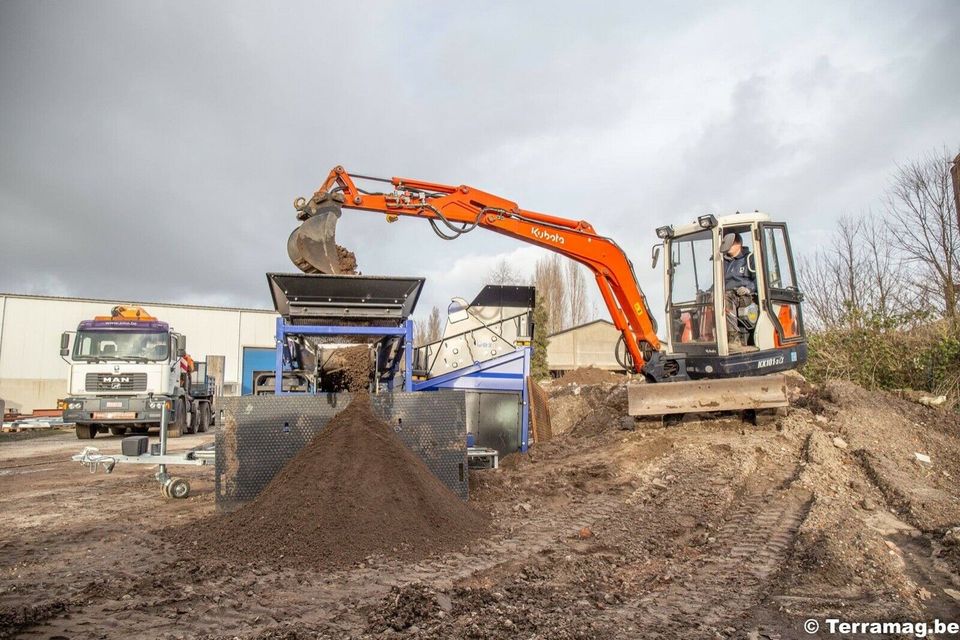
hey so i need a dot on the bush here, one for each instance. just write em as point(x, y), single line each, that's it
point(876, 357)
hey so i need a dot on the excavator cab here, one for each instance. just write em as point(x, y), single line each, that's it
point(721, 333)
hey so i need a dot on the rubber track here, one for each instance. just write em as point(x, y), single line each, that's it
point(750, 547)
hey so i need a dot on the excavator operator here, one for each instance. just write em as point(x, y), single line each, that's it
point(739, 285)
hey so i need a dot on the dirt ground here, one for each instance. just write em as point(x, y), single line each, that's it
point(707, 528)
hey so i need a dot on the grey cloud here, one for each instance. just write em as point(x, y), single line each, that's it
point(152, 150)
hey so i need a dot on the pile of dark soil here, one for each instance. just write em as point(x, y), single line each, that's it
point(347, 260)
point(355, 491)
point(591, 375)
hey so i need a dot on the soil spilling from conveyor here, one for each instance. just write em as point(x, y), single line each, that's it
point(349, 369)
point(353, 492)
point(357, 367)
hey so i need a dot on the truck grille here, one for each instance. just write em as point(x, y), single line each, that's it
point(116, 382)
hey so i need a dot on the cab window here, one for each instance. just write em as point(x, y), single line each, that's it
point(776, 254)
point(692, 267)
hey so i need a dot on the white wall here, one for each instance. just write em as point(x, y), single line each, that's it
point(590, 345)
point(33, 375)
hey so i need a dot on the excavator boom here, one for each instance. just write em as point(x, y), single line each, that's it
point(455, 210)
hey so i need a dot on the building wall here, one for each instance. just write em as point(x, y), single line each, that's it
point(32, 374)
point(589, 345)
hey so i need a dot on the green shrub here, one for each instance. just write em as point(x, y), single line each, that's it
point(539, 368)
point(877, 356)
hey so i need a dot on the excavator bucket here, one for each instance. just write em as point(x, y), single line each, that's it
point(704, 396)
point(313, 245)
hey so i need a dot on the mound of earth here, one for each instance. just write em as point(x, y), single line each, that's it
point(590, 375)
point(353, 492)
point(589, 409)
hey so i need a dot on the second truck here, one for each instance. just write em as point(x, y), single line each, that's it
point(124, 368)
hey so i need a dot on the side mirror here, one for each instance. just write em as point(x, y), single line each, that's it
point(654, 256)
point(64, 344)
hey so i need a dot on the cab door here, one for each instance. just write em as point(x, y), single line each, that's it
point(691, 309)
point(782, 295)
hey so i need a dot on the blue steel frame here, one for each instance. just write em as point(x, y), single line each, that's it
point(482, 376)
point(405, 331)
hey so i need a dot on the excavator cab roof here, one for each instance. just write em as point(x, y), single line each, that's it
point(734, 219)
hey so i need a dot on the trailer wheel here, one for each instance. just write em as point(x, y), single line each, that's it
point(205, 417)
point(177, 488)
point(179, 425)
point(118, 431)
point(86, 431)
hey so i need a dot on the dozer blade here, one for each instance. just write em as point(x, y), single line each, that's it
point(702, 396)
point(313, 245)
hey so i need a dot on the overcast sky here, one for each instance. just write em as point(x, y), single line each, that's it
point(152, 150)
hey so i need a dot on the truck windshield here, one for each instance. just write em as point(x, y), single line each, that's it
point(121, 345)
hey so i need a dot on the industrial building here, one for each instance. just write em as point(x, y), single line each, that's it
point(33, 375)
point(586, 345)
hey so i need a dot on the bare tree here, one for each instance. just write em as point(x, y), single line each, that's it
point(576, 285)
point(434, 326)
point(419, 332)
point(858, 276)
point(955, 174)
point(428, 330)
point(832, 279)
point(922, 215)
point(503, 273)
point(548, 279)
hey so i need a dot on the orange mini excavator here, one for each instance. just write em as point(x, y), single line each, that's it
point(716, 341)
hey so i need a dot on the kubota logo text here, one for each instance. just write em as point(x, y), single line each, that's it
point(540, 234)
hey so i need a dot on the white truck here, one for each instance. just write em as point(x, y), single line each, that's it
point(124, 368)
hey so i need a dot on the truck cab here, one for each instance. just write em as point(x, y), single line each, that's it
point(767, 335)
point(123, 369)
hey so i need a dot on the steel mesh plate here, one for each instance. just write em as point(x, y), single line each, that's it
point(258, 435)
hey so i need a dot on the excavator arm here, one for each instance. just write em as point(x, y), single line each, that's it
point(455, 210)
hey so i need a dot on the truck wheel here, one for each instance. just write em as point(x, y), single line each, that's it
point(205, 417)
point(86, 431)
point(176, 428)
point(118, 431)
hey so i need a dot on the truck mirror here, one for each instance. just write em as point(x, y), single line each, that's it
point(64, 344)
point(654, 256)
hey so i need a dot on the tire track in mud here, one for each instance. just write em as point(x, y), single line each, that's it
point(750, 546)
point(923, 565)
point(316, 600)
